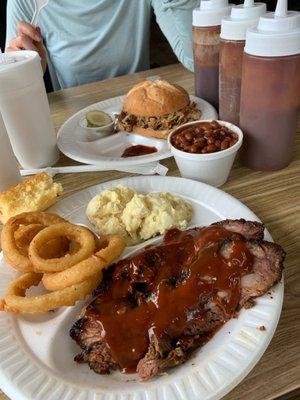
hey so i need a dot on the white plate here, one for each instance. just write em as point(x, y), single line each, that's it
point(108, 150)
point(36, 352)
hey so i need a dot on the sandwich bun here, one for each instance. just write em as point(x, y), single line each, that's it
point(155, 98)
point(157, 134)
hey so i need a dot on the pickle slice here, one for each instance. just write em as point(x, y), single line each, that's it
point(97, 118)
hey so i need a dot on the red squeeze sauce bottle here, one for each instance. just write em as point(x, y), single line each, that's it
point(270, 92)
point(232, 43)
point(206, 45)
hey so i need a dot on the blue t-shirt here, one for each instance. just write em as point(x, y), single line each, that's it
point(93, 40)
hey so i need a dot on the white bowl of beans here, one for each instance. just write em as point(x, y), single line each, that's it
point(204, 150)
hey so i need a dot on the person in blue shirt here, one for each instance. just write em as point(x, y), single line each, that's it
point(92, 40)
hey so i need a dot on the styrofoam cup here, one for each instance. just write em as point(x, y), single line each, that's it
point(211, 168)
point(25, 110)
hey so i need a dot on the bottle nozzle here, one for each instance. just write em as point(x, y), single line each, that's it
point(248, 3)
point(281, 9)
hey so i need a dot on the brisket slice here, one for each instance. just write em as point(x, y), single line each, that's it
point(163, 353)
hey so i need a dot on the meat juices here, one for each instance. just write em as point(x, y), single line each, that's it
point(231, 60)
point(270, 101)
point(206, 45)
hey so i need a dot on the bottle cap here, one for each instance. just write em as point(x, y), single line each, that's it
point(211, 12)
point(277, 34)
point(241, 18)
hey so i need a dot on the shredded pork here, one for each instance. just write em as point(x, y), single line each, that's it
point(189, 113)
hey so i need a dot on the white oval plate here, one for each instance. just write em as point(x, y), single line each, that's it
point(36, 352)
point(108, 150)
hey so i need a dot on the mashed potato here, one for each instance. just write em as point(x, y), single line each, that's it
point(137, 217)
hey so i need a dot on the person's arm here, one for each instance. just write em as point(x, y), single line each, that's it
point(20, 35)
point(175, 20)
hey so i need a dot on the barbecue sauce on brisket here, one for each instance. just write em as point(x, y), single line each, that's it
point(161, 289)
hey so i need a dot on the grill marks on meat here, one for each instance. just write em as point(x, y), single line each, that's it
point(187, 114)
point(205, 317)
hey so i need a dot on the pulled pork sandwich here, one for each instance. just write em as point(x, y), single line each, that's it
point(154, 108)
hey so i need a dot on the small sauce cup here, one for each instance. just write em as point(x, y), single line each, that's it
point(94, 133)
point(211, 168)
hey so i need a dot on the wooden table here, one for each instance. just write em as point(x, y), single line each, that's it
point(273, 196)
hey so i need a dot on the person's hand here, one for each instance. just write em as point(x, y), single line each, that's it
point(29, 38)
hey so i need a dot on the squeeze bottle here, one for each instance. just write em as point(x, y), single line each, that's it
point(206, 45)
point(270, 93)
point(232, 43)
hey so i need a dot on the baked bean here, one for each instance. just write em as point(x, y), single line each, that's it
point(198, 130)
point(215, 124)
point(185, 142)
point(189, 136)
point(218, 143)
point(224, 145)
point(211, 148)
point(206, 137)
point(208, 134)
point(194, 148)
point(187, 148)
point(200, 141)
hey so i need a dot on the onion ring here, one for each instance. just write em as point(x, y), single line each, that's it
point(74, 233)
point(24, 235)
point(10, 249)
point(77, 274)
point(15, 300)
point(55, 248)
point(109, 248)
point(86, 269)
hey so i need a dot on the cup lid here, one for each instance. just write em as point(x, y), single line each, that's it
point(19, 69)
point(242, 17)
point(276, 34)
point(210, 12)
point(14, 59)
